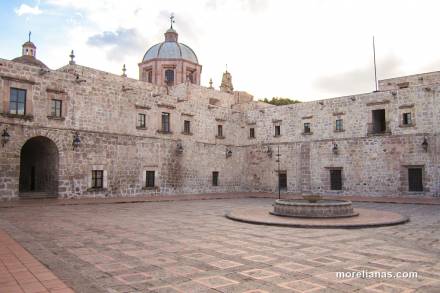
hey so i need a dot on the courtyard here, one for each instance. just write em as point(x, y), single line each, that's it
point(189, 246)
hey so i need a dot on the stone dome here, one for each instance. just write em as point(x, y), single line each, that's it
point(170, 49)
point(29, 60)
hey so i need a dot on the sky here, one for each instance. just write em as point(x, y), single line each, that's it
point(306, 50)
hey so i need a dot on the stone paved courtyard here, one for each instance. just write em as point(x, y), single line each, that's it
point(188, 246)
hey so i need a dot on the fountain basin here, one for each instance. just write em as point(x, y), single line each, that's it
point(301, 208)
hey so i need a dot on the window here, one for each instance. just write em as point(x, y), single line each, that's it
point(150, 76)
point(307, 127)
point(187, 127)
point(165, 122)
point(97, 179)
point(277, 130)
point(403, 85)
point(220, 130)
point(149, 179)
point(141, 120)
point(252, 132)
point(56, 108)
point(282, 180)
point(215, 178)
point(190, 76)
point(379, 124)
point(169, 77)
point(406, 119)
point(415, 179)
point(335, 179)
point(17, 101)
point(339, 126)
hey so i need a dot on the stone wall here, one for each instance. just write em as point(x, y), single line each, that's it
point(103, 108)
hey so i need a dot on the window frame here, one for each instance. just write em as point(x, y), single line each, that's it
point(16, 102)
point(165, 122)
point(150, 179)
point(53, 108)
point(141, 121)
point(339, 125)
point(186, 126)
point(167, 75)
point(277, 130)
point(215, 177)
point(97, 179)
point(150, 76)
point(405, 117)
point(307, 127)
point(252, 132)
point(220, 130)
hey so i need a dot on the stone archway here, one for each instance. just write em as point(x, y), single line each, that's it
point(39, 168)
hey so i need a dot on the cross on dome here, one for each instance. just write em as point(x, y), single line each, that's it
point(172, 20)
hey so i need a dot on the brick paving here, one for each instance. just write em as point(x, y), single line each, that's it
point(21, 272)
point(189, 246)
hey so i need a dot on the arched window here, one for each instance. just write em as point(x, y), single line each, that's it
point(169, 77)
point(150, 76)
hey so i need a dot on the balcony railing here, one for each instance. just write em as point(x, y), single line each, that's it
point(379, 128)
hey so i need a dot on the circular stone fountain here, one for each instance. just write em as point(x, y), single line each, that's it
point(302, 208)
point(313, 211)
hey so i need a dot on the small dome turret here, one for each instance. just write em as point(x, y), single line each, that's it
point(28, 55)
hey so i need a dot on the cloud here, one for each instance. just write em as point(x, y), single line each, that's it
point(246, 5)
point(360, 79)
point(254, 5)
point(25, 9)
point(119, 43)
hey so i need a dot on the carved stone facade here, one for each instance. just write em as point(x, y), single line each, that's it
point(377, 152)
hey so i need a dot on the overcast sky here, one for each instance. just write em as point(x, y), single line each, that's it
point(305, 50)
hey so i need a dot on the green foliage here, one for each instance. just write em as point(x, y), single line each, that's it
point(278, 101)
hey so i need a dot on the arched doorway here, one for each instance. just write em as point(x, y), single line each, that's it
point(39, 168)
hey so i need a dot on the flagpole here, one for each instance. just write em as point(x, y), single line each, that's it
point(375, 70)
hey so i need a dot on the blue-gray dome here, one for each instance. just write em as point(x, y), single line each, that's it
point(171, 50)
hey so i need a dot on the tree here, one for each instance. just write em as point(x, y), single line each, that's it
point(278, 101)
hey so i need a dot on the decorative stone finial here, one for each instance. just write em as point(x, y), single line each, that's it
point(72, 57)
point(210, 83)
point(123, 71)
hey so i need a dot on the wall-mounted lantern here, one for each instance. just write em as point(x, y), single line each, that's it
point(76, 140)
point(78, 79)
point(179, 147)
point(5, 137)
point(335, 148)
point(228, 152)
point(425, 144)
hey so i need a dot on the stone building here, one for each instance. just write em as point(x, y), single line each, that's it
point(81, 132)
